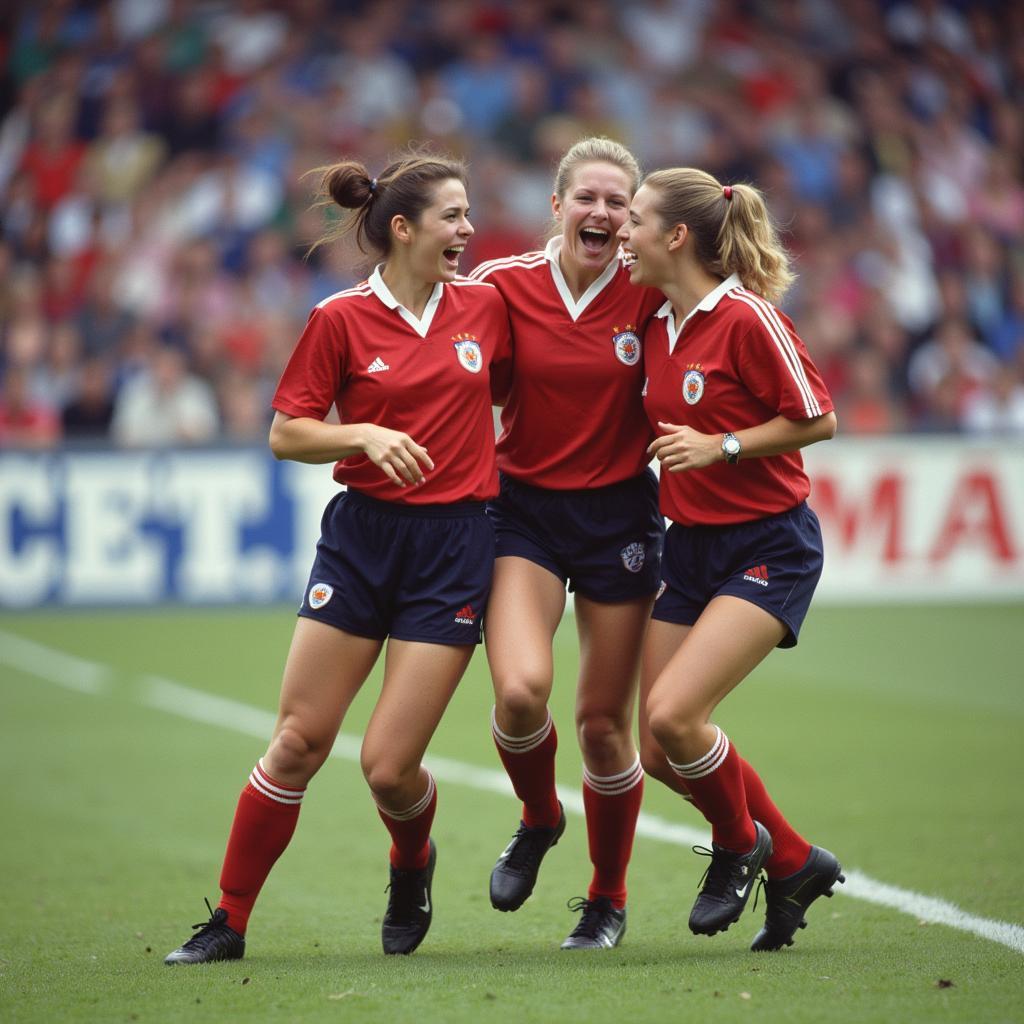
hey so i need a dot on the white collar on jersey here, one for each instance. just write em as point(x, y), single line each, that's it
point(705, 305)
point(575, 309)
point(418, 324)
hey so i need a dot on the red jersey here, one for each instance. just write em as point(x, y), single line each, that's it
point(430, 377)
point(574, 414)
point(734, 362)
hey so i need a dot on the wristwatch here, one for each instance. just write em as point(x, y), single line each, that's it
point(731, 448)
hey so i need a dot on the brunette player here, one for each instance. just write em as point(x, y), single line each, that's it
point(406, 553)
point(578, 506)
point(734, 395)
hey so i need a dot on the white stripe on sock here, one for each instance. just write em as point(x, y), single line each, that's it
point(705, 765)
point(520, 744)
point(260, 781)
point(612, 785)
point(417, 808)
point(703, 760)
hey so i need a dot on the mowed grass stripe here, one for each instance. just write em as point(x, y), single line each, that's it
point(174, 698)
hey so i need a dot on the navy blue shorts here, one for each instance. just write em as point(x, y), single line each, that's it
point(605, 541)
point(412, 572)
point(773, 562)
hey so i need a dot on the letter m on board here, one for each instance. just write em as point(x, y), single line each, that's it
point(880, 511)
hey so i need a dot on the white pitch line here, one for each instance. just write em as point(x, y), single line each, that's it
point(55, 666)
point(223, 713)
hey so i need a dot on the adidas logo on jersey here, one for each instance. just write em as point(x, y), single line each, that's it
point(377, 366)
point(757, 574)
point(465, 616)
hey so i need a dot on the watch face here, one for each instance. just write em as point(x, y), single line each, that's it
point(731, 446)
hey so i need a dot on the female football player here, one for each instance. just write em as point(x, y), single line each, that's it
point(578, 506)
point(733, 395)
point(406, 552)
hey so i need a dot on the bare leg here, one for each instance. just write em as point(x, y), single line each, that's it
point(523, 614)
point(728, 641)
point(325, 669)
point(419, 681)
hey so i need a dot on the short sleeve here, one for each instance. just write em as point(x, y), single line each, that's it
point(774, 364)
point(316, 370)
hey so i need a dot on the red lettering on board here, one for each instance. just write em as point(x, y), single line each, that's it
point(883, 510)
point(976, 515)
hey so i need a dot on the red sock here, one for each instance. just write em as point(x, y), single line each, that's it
point(715, 782)
point(789, 849)
point(410, 829)
point(612, 804)
point(530, 763)
point(264, 822)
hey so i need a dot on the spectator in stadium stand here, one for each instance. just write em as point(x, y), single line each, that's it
point(87, 415)
point(409, 358)
point(25, 422)
point(51, 159)
point(578, 506)
point(733, 395)
point(164, 404)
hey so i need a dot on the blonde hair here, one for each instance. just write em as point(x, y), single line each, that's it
point(406, 187)
point(596, 149)
point(732, 229)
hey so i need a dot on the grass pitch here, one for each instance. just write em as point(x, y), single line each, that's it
point(891, 736)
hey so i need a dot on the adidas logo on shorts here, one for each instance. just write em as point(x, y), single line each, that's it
point(465, 616)
point(757, 574)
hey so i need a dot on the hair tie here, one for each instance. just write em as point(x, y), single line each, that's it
point(373, 186)
point(727, 192)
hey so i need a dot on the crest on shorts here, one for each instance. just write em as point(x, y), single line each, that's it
point(627, 345)
point(693, 384)
point(467, 348)
point(319, 595)
point(633, 556)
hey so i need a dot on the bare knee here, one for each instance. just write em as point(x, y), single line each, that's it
point(674, 726)
point(521, 700)
point(392, 784)
point(603, 737)
point(655, 764)
point(294, 757)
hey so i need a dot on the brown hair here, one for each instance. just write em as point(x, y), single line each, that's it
point(404, 188)
point(732, 229)
point(596, 149)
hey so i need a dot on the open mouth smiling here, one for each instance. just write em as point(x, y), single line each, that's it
point(594, 239)
point(452, 253)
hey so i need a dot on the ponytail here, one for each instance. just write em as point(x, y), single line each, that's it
point(404, 188)
point(732, 229)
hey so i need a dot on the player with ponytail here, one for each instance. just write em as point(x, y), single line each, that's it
point(733, 396)
point(408, 358)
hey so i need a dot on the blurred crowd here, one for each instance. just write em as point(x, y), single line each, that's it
point(156, 210)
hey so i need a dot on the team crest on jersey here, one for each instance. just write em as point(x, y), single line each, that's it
point(627, 345)
point(467, 348)
point(319, 595)
point(633, 556)
point(693, 384)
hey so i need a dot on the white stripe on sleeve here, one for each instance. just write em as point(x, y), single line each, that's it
point(784, 343)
